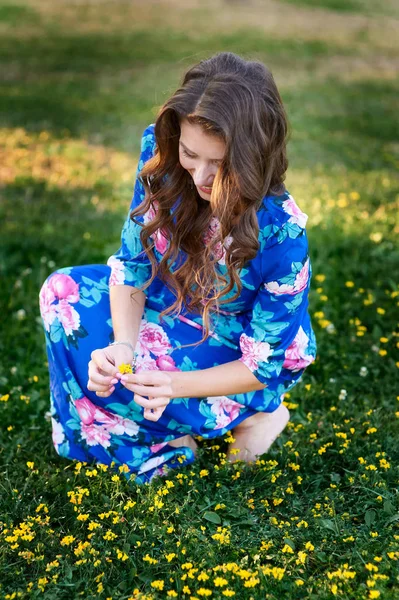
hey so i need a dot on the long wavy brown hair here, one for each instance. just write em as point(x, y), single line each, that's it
point(236, 100)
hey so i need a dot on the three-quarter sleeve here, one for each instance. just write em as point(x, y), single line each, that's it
point(278, 342)
point(130, 265)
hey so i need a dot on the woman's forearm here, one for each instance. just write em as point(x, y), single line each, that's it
point(230, 378)
point(126, 312)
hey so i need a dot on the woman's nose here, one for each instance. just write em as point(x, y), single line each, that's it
point(203, 179)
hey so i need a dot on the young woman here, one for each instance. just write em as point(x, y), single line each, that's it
point(207, 296)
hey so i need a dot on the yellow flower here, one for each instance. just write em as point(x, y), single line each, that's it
point(299, 582)
point(82, 517)
point(30, 464)
point(158, 584)
point(220, 581)
point(170, 556)
point(110, 535)
point(121, 555)
point(41, 583)
point(67, 540)
point(309, 546)
point(302, 524)
point(204, 473)
point(125, 368)
point(374, 594)
point(301, 557)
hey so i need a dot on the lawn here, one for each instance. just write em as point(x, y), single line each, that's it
point(317, 516)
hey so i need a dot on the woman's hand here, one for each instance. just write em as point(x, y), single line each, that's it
point(156, 385)
point(103, 368)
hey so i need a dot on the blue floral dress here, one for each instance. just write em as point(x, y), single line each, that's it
point(268, 328)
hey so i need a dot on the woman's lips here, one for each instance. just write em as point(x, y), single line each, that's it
point(206, 190)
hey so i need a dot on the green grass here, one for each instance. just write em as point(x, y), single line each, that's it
point(316, 517)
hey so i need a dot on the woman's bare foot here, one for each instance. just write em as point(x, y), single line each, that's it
point(255, 435)
point(186, 440)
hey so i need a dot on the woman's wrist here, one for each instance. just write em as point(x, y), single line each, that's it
point(123, 342)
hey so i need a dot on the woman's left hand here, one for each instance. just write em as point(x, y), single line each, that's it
point(156, 385)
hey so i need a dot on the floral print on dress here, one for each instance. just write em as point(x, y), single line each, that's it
point(268, 328)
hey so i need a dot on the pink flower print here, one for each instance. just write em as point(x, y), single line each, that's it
point(95, 434)
point(253, 352)
point(213, 230)
point(295, 355)
point(58, 434)
point(68, 317)
point(166, 363)
point(117, 276)
point(64, 287)
point(108, 423)
point(302, 278)
point(225, 409)
point(146, 363)
point(155, 461)
point(111, 422)
point(47, 306)
point(117, 425)
point(157, 447)
point(301, 281)
point(278, 290)
point(86, 410)
point(297, 216)
point(160, 241)
point(152, 338)
point(131, 427)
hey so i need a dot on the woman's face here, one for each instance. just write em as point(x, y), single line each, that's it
point(201, 155)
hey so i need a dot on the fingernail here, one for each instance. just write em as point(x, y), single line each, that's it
point(114, 380)
point(112, 389)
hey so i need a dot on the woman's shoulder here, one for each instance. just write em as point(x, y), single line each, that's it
point(280, 213)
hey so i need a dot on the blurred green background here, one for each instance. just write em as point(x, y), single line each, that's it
point(80, 82)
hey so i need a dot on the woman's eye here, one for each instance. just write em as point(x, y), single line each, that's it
point(217, 162)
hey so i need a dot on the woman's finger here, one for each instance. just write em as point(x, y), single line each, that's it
point(100, 359)
point(96, 387)
point(105, 394)
point(151, 403)
point(96, 376)
point(146, 390)
point(153, 414)
point(156, 378)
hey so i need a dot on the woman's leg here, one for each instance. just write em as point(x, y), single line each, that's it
point(255, 435)
point(186, 440)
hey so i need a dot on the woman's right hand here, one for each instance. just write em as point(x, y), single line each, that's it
point(103, 368)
